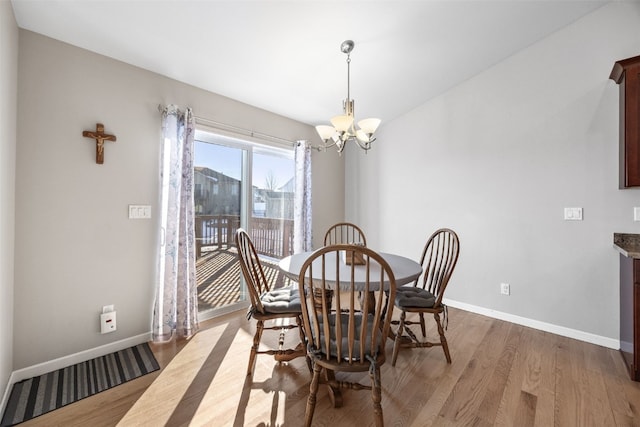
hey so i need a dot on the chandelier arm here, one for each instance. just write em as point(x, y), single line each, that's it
point(365, 146)
point(324, 145)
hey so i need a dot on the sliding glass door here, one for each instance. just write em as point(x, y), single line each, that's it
point(238, 183)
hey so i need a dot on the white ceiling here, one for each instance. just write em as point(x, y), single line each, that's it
point(284, 56)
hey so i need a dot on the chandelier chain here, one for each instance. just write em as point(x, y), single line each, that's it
point(348, 77)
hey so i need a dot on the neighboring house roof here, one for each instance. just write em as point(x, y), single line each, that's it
point(213, 174)
point(289, 186)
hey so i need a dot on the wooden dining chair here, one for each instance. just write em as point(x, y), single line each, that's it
point(341, 336)
point(268, 305)
point(344, 232)
point(439, 258)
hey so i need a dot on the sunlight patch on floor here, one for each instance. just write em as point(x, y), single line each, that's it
point(181, 381)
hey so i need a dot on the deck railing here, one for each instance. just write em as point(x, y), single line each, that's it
point(271, 236)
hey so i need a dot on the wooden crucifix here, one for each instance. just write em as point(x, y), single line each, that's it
point(100, 138)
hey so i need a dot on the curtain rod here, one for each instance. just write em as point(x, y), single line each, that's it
point(246, 132)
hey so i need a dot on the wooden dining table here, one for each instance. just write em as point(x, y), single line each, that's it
point(404, 269)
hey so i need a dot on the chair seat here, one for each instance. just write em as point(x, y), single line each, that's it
point(344, 320)
point(411, 296)
point(282, 300)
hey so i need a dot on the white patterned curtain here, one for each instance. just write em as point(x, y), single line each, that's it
point(302, 203)
point(176, 303)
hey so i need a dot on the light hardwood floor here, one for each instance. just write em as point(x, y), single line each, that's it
point(502, 375)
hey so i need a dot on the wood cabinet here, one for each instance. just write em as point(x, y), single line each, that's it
point(630, 314)
point(626, 73)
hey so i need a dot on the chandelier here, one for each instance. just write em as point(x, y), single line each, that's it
point(344, 129)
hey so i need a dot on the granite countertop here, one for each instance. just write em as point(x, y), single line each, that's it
point(627, 244)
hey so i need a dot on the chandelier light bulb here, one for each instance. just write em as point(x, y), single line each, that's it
point(342, 123)
point(326, 132)
point(362, 136)
point(369, 126)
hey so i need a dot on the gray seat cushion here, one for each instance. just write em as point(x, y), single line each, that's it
point(411, 296)
point(344, 320)
point(283, 300)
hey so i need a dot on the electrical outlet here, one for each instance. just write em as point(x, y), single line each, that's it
point(108, 322)
point(505, 289)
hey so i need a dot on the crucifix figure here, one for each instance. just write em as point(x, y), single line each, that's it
point(100, 138)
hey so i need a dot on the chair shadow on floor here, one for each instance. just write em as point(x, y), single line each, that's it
point(215, 351)
point(281, 373)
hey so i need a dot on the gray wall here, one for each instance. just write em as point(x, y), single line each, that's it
point(497, 158)
point(75, 248)
point(8, 104)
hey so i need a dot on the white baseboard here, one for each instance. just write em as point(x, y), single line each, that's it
point(72, 359)
point(536, 324)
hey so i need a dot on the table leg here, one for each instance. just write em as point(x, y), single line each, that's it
point(317, 298)
point(371, 301)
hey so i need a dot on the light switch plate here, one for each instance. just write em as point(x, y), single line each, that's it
point(573, 214)
point(139, 211)
point(636, 214)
